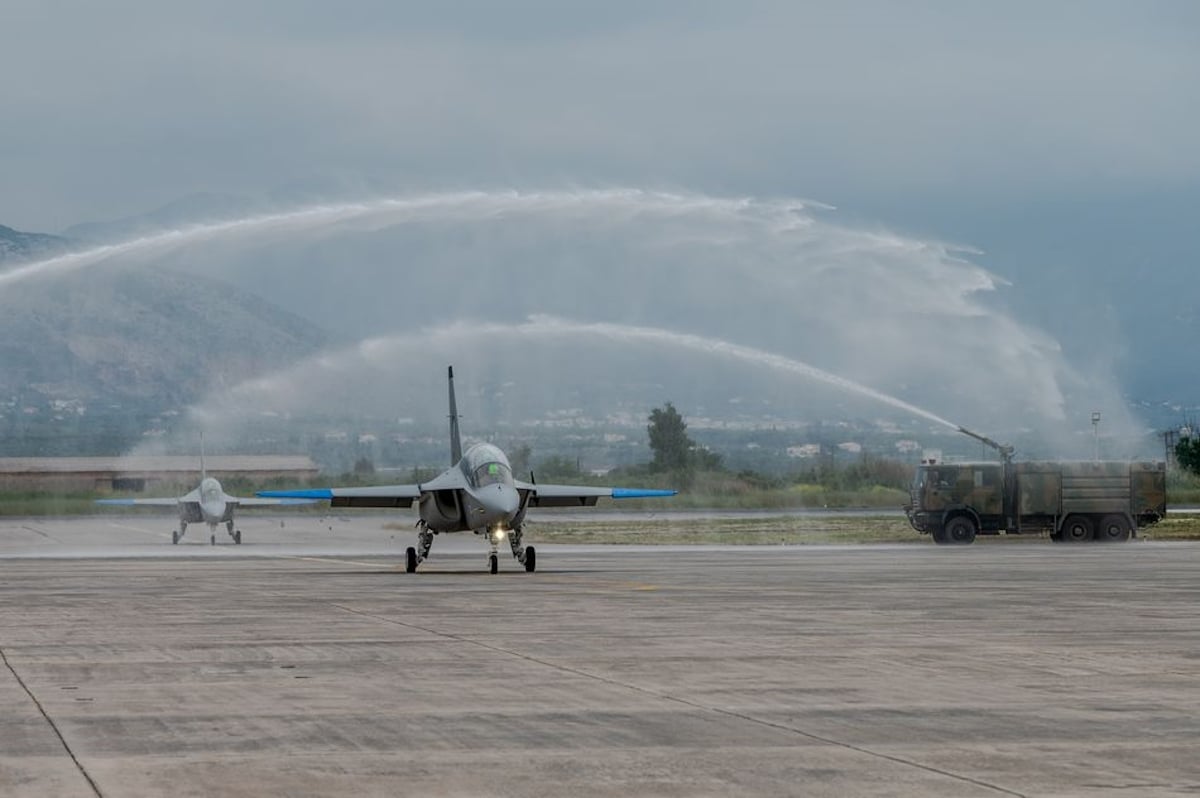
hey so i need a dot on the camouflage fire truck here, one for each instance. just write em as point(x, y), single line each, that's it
point(1073, 502)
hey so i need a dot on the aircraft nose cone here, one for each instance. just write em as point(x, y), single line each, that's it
point(495, 504)
point(213, 510)
point(507, 500)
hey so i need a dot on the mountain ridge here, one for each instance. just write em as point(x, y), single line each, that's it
point(16, 245)
point(151, 337)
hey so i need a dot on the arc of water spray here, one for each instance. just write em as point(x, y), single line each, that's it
point(776, 215)
point(550, 328)
point(483, 202)
point(550, 325)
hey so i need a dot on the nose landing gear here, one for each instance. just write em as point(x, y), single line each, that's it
point(414, 557)
point(526, 555)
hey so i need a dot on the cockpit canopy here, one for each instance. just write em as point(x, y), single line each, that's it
point(485, 464)
point(210, 490)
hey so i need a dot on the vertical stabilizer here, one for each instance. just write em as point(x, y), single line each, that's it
point(203, 471)
point(455, 440)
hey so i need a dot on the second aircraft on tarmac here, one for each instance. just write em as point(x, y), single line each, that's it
point(207, 504)
point(476, 494)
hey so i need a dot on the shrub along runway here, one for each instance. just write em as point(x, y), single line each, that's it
point(304, 662)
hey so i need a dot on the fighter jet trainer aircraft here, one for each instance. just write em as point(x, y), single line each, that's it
point(476, 494)
point(208, 504)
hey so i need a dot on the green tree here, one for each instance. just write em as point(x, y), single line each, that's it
point(668, 439)
point(1187, 454)
point(673, 448)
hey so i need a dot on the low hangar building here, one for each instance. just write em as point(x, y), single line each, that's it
point(137, 474)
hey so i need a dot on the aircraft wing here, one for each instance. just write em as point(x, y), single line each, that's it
point(142, 502)
point(289, 502)
point(376, 496)
point(582, 495)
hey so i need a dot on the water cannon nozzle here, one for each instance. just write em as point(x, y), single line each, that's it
point(1005, 450)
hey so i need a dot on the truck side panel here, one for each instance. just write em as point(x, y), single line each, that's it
point(1095, 488)
point(1040, 489)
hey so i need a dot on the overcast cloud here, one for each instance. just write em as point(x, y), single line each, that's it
point(112, 109)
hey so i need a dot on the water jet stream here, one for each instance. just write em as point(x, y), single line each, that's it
point(774, 271)
point(549, 325)
point(382, 352)
point(471, 204)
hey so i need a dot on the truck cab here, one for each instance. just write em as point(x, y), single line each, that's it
point(943, 492)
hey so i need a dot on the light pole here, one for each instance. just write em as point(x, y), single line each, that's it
point(1095, 434)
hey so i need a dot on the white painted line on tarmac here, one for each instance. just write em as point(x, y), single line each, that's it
point(335, 560)
point(140, 529)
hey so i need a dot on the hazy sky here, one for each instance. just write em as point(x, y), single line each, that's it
point(1060, 138)
point(111, 109)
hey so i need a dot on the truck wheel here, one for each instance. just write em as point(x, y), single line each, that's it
point(1113, 529)
point(960, 530)
point(939, 535)
point(1077, 529)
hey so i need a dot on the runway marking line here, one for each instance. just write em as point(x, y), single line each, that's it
point(382, 566)
point(139, 529)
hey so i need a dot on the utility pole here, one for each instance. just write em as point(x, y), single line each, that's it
point(1095, 434)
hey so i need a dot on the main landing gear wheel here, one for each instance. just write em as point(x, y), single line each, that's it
point(175, 536)
point(212, 540)
point(530, 559)
point(410, 560)
point(237, 536)
point(493, 563)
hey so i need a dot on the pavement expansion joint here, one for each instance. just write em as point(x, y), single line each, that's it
point(688, 703)
point(53, 726)
point(37, 531)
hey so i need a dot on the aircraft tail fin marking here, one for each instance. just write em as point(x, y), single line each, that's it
point(455, 439)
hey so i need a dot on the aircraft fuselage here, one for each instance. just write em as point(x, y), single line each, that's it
point(479, 494)
point(213, 506)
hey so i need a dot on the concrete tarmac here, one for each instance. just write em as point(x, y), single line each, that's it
point(306, 663)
